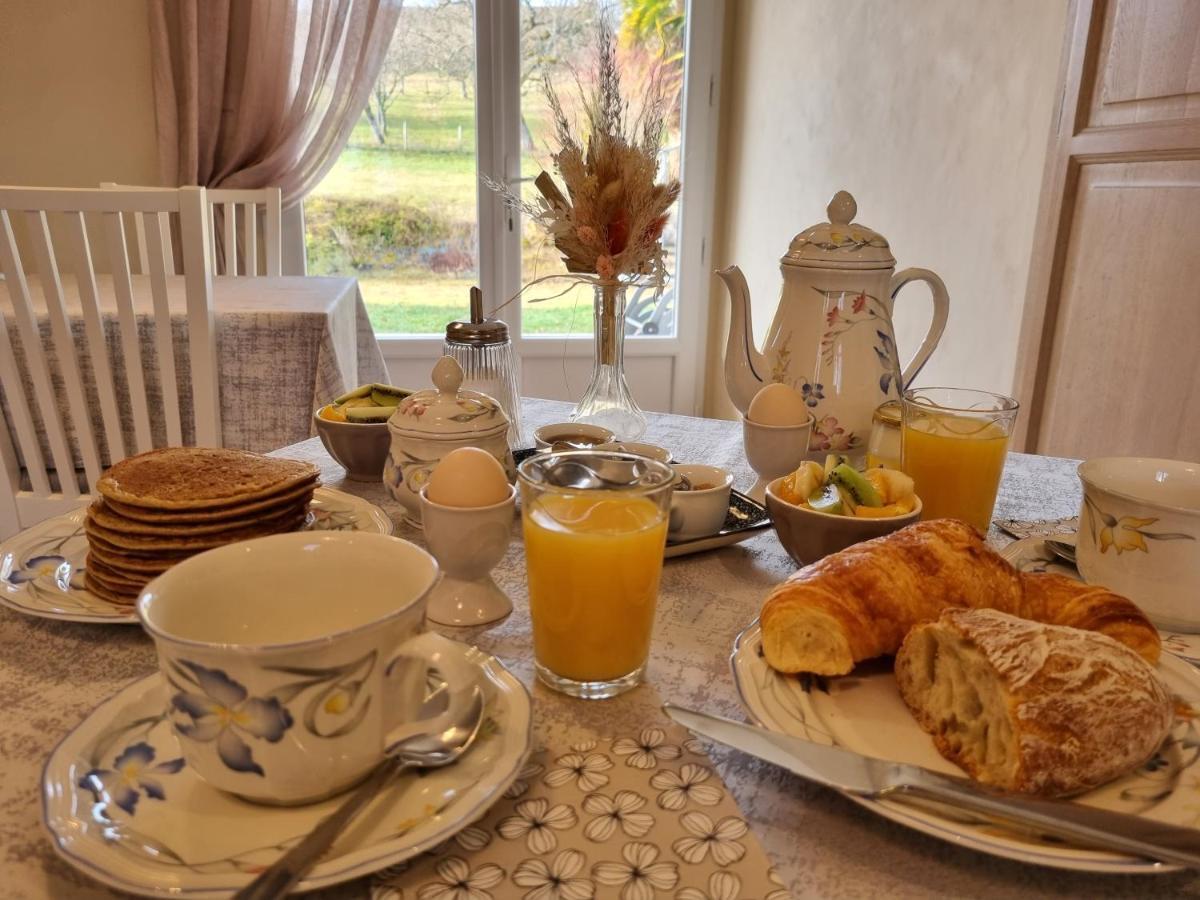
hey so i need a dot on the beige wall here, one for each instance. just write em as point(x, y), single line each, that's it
point(934, 114)
point(76, 105)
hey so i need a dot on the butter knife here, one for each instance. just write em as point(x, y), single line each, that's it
point(866, 776)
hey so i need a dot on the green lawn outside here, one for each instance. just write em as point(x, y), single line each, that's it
point(435, 175)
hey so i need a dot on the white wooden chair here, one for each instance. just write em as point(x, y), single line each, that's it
point(240, 216)
point(51, 490)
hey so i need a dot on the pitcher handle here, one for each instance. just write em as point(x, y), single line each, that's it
point(941, 312)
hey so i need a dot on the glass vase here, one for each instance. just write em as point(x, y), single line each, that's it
point(607, 401)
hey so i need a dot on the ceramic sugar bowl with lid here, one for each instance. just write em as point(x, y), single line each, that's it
point(430, 423)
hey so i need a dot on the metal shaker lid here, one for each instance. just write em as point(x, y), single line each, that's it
point(478, 331)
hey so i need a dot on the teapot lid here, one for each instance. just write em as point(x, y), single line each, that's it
point(447, 409)
point(840, 243)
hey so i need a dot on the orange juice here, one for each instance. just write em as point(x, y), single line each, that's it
point(956, 462)
point(594, 563)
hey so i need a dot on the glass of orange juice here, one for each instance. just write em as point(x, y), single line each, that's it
point(954, 442)
point(595, 526)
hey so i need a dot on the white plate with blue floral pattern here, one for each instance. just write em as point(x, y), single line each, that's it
point(1032, 555)
point(41, 568)
point(863, 712)
point(122, 806)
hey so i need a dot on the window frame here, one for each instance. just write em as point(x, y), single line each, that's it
point(497, 111)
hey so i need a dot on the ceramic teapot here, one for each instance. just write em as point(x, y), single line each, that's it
point(832, 337)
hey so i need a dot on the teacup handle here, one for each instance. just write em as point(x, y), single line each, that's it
point(461, 680)
point(941, 312)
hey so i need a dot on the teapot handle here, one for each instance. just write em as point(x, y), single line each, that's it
point(941, 312)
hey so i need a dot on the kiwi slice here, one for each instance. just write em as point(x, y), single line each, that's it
point(827, 500)
point(856, 485)
point(364, 391)
point(832, 461)
point(363, 414)
point(385, 398)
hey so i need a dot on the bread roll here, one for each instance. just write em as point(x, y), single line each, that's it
point(859, 603)
point(1034, 708)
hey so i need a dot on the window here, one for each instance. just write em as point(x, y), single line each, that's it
point(460, 94)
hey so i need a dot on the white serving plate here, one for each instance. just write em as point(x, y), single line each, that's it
point(863, 712)
point(196, 841)
point(41, 568)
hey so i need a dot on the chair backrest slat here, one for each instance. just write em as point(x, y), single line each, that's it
point(66, 352)
point(93, 323)
point(229, 211)
point(202, 322)
point(250, 238)
point(39, 375)
point(273, 233)
point(164, 340)
point(10, 376)
point(131, 348)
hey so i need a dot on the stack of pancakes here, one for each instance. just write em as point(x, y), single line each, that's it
point(159, 508)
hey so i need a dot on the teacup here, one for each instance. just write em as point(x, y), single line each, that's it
point(293, 662)
point(700, 510)
point(1139, 535)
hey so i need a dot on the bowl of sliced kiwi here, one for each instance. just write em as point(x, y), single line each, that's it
point(820, 509)
point(354, 429)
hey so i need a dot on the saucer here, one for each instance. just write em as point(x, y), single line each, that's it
point(41, 568)
point(1032, 555)
point(122, 806)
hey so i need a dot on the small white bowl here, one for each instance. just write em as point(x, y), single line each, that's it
point(1139, 535)
point(651, 451)
point(700, 512)
point(545, 437)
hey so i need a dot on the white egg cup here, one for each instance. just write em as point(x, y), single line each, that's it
point(468, 542)
point(773, 451)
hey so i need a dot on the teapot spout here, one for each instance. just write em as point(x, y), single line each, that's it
point(743, 362)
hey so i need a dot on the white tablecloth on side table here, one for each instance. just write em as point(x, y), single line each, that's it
point(284, 346)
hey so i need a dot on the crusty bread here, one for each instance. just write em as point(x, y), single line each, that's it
point(859, 603)
point(1028, 707)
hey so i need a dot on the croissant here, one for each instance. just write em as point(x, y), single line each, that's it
point(859, 603)
point(1031, 707)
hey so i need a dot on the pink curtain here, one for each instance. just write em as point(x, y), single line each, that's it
point(258, 93)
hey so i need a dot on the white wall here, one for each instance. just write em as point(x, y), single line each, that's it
point(934, 114)
point(76, 104)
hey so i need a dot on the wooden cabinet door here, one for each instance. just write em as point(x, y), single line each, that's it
point(1109, 360)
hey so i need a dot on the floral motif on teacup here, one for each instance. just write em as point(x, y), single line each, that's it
point(1126, 532)
point(222, 710)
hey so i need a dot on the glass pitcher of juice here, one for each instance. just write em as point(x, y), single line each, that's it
point(595, 527)
point(954, 445)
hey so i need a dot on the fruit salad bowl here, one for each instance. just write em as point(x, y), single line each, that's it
point(808, 534)
point(354, 429)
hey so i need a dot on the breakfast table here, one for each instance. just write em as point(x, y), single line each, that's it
point(285, 345)
point(820, 843)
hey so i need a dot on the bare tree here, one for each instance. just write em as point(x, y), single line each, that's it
point(401, 60)
point(552, 36)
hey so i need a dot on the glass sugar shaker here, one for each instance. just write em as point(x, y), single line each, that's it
point(485, 352)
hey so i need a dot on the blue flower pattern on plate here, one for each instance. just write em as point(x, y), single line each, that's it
point(131, 775)
point(36, 567)
point(225, 712)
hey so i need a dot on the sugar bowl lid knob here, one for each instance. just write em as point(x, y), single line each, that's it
point(842, 209)
point(447, 375)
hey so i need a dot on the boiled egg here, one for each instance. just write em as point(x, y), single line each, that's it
point(467, 477)
point(777, 404)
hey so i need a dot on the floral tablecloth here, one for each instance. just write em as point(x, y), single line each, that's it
point(822, 845)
